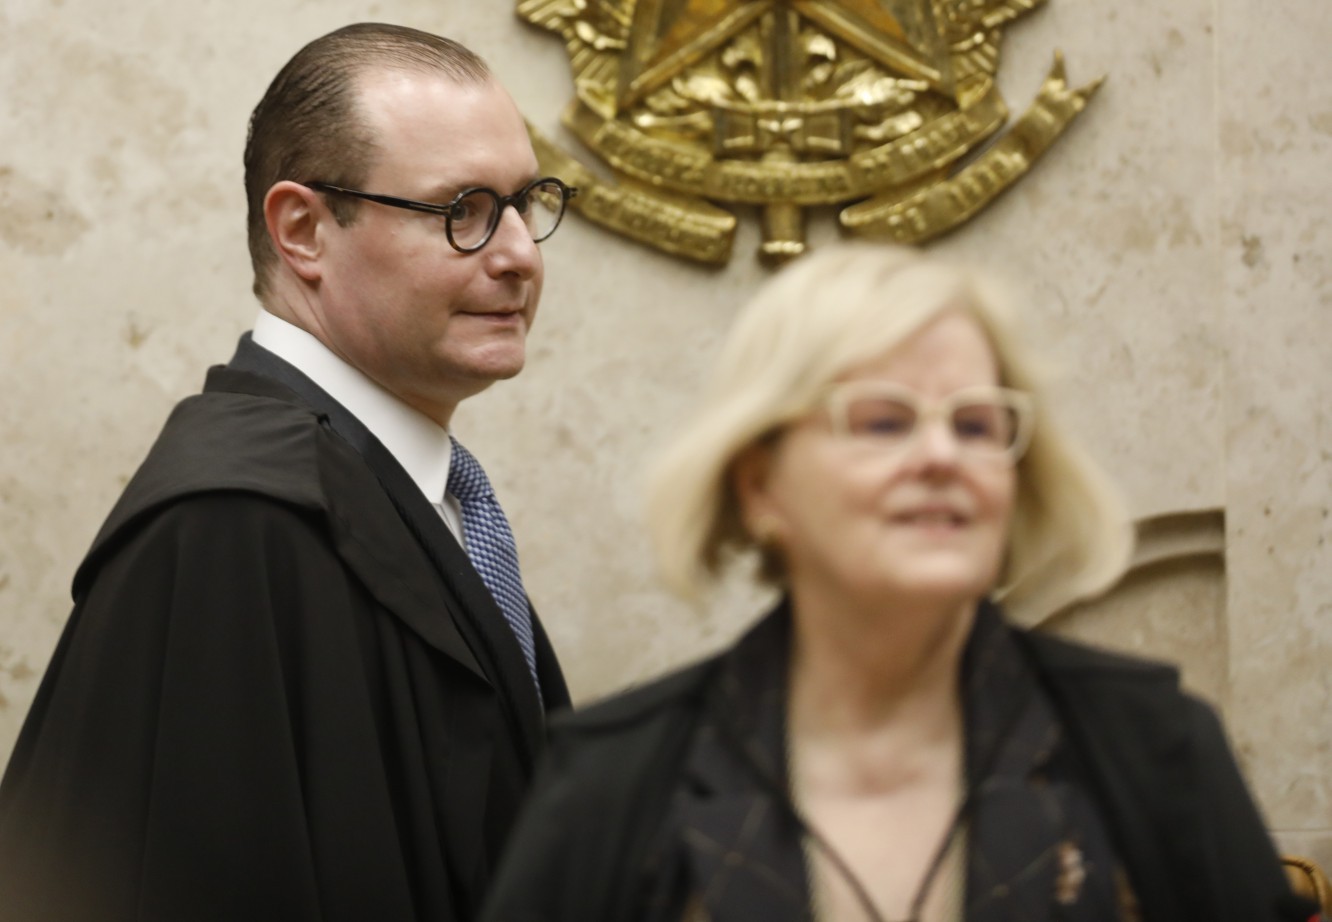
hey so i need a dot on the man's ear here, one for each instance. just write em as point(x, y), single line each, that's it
point(293, 213)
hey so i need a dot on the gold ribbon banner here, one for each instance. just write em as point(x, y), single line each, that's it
point(681, 225)
point(693, 170)
point(914, 217)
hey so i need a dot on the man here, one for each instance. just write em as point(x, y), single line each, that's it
point(301, 679)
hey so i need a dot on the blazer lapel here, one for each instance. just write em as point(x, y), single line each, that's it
point(741, 840)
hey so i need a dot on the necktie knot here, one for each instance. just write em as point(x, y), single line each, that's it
point(467, 480)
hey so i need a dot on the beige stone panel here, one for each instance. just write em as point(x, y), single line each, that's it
point(120, 275)
point(1275, 132)
point(1172, 611)
point(1112, 239)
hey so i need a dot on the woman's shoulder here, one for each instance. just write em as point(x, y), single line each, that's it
point(1069, 658)
point(672, 703)
point(610, 766)
point(668, 699)
point(1111, 688)
point(1127, 702)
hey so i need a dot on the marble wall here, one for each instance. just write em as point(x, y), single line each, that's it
point(1174, 246)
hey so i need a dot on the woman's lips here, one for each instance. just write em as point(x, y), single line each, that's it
point(931, 518)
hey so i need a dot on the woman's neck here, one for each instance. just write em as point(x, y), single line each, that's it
point(857, 666)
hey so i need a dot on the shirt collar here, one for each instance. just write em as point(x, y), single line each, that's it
point(418, 443)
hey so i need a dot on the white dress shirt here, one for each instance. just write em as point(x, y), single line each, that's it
point(418, 443)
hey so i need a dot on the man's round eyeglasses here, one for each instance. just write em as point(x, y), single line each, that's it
point(471, 218)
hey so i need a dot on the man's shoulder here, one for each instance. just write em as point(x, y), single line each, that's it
point(248, 441)
point(226, 440)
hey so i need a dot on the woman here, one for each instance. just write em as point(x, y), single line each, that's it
point(883, 745)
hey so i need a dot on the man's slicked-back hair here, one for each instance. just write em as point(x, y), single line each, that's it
point(308, 125)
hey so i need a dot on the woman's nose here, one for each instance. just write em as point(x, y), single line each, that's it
point(936, 443)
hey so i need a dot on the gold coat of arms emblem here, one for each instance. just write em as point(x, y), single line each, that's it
point(878, 107)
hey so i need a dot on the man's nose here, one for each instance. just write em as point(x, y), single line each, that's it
point(511, 248)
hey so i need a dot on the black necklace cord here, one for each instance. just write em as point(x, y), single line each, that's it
point(754, 757)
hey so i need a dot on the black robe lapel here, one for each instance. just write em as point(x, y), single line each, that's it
point(474, 611)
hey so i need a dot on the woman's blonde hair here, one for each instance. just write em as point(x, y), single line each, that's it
point(846, 305)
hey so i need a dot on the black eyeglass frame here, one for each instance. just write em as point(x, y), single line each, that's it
point(445, 211)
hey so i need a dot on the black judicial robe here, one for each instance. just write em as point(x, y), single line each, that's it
point(283, 692)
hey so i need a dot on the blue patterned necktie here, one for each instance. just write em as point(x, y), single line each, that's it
point(490, 545)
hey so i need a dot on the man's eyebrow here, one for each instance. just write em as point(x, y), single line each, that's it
point(445, 193)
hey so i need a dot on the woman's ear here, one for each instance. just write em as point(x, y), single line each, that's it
point(293, 213)
point(750, 473)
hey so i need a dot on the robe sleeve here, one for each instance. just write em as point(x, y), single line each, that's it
point(159, 775)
